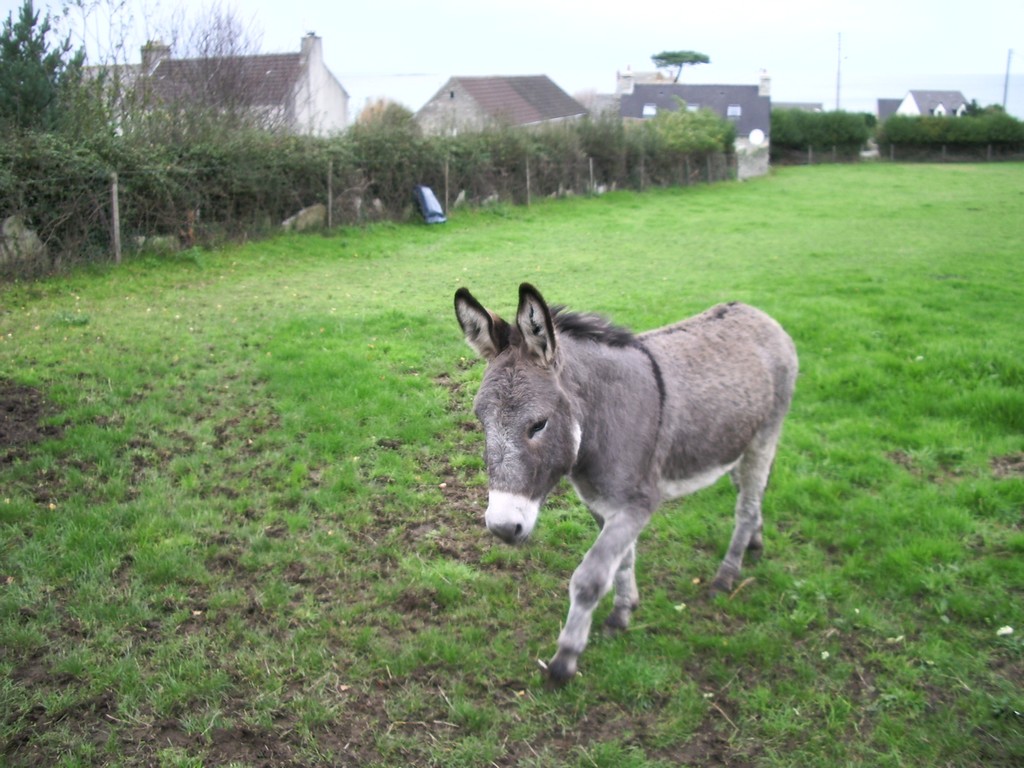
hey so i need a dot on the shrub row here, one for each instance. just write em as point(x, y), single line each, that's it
point(989, 129)
point(244, 185)
point(840, 133)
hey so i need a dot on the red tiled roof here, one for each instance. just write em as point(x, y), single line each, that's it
point(521, 100)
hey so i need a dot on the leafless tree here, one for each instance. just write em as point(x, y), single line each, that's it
point(199, 75)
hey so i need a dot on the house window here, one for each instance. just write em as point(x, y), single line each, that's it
point(650, 110)
point(733, 110)
point(692, 107)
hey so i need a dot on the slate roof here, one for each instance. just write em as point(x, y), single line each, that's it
point(928, 101)
point(887, 108)
point(756, 111)
point(520, 100)
point(267, 79)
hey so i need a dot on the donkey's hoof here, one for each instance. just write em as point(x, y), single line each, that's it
point(720, 587)
point(616, 623)
point(558, 672)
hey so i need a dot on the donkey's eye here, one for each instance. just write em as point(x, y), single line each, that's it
point(537, 428)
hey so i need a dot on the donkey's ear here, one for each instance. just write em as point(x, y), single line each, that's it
point(485, 332)
point(534, 321)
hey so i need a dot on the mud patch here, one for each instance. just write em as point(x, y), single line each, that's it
point(22, 413)
point(1011, 465)
point(944, 471)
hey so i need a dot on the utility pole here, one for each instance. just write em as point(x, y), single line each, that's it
point(1006, 80)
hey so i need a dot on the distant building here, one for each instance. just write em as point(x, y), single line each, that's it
point(886, 108)
point(933, 103)
point(802, 106)
point(292, 91)
point(474, 103)
point(747, 107)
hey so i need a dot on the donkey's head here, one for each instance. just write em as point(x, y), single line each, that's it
point(531, 435)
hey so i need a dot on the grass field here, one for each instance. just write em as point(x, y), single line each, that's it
point(241, 496)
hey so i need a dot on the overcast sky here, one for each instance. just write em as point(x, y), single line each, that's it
point(406, 49)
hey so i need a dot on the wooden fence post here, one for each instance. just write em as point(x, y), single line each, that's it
point(115, 218)
point(527, 181)
point(330, 192)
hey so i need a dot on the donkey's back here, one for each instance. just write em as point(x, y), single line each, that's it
point(727, 378)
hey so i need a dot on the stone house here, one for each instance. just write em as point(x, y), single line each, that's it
point(474, 103)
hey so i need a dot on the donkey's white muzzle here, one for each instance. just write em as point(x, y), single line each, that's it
point(510, 517)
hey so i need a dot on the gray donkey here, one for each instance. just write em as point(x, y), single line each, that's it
point(632, 420)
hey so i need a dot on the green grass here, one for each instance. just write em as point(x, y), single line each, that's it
point(251, 532)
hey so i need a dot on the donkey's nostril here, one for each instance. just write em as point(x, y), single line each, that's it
point(508, 532)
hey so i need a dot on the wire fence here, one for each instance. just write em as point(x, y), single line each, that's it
point(898, 153)
point(58, 214)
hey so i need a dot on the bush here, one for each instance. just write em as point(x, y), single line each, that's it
point(683, 133)
point(989, 129)
point(795, 130)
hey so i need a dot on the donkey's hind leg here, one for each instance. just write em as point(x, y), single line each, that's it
point(751, 478)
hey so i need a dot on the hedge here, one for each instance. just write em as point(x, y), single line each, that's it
point(795, 130)
point(990, 129)
point(245, 184)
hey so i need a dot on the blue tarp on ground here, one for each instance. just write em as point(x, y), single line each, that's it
point(429, 207)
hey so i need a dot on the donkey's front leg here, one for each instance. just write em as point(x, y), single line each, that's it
point(627, 596)
point(590, 582)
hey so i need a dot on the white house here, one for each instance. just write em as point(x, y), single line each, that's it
point(933, 103)
point(294, 91)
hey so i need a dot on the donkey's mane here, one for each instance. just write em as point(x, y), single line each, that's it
point(591, 327)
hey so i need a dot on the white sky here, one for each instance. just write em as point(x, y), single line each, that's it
point(405, 49)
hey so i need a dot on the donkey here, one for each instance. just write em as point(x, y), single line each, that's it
point(632, 420)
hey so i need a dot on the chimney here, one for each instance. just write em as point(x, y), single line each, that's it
point(624, 81)
point(153, 52)
point(310, 45)
point(765, 86)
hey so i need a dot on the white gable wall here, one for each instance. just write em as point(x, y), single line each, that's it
point(908, 106)
point(321, 104)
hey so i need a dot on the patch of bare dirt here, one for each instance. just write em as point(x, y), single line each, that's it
point(943, 473)
point(1010, 465)
point(22, 413)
